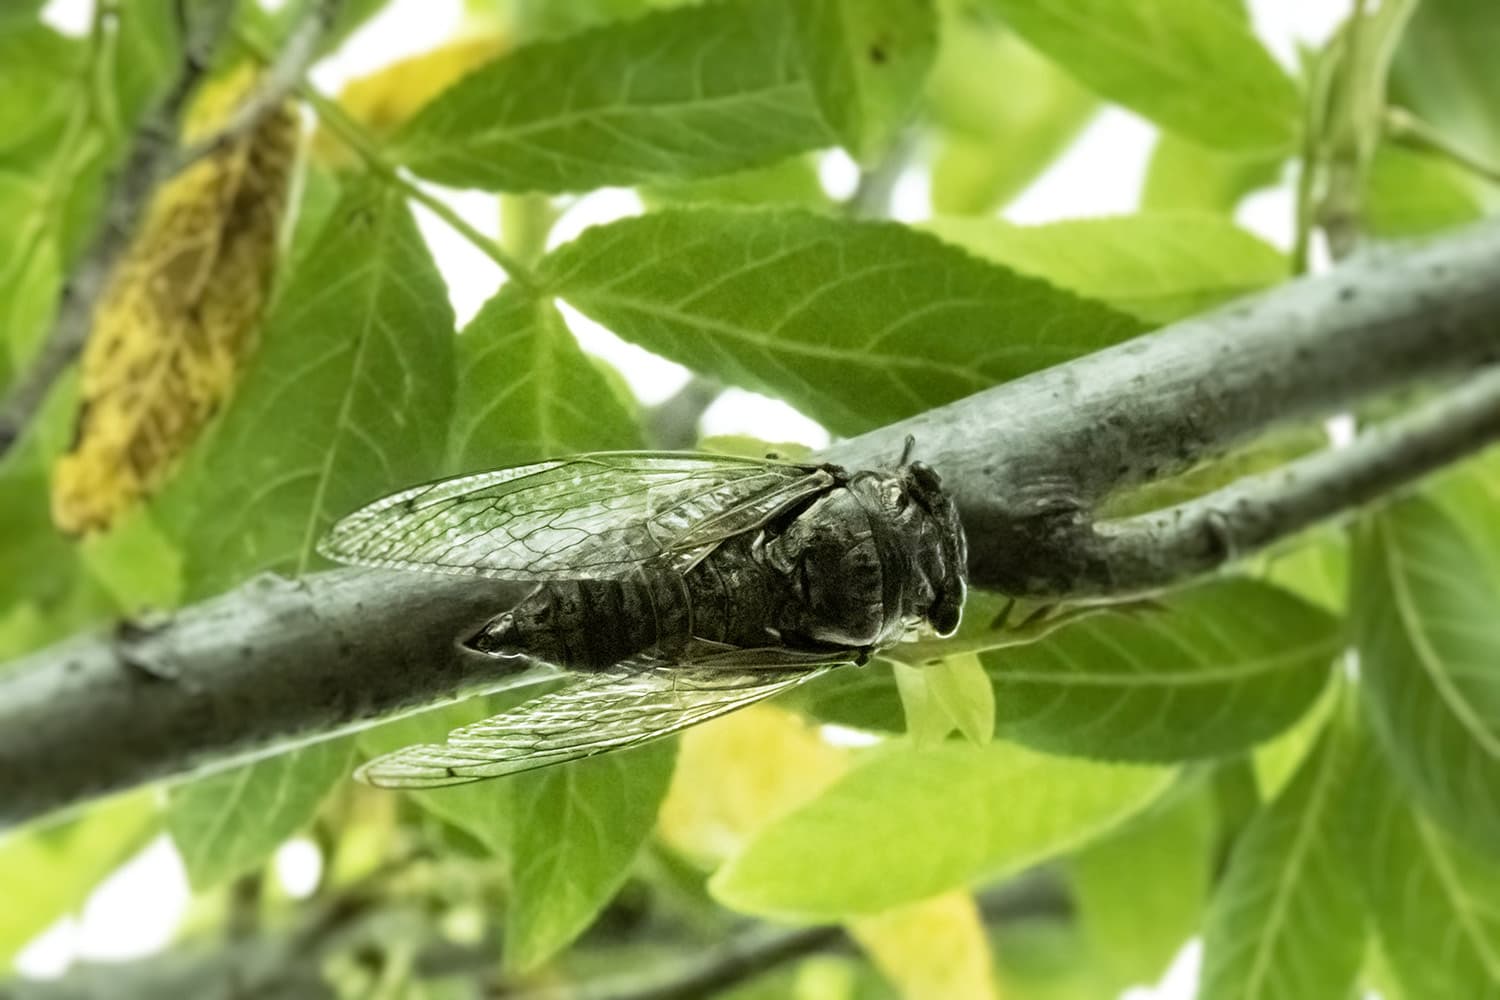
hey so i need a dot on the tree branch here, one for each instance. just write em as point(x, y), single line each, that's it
point(147, 164)
point(275, 663)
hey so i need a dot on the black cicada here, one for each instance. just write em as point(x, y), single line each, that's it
point(675, 587)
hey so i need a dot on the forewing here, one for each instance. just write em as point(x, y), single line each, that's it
point(627, 705)
point(597, 515)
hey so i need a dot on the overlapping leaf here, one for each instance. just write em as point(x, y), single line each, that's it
point(1215, 669)
point(526, 392)
point(857, 324)
point(910, 824)
point(683, 93)
point(1156, 267)
point(1191, 66)
point(1186, 177)
point(1286, 921)
point(348, 398)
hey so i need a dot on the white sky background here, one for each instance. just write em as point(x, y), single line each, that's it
point(138, 909)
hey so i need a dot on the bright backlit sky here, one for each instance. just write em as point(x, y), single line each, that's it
point(137, 910)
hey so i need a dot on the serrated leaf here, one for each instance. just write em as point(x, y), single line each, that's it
point(910, 824)
point(229, 823)
point(1422, 613)
point(1430, 898)
point(1286, 921)
point(1140, 891)
point(1158, 268)
point(866, 60)
point(48, 871)
point(584, 823)
point(1408, 193)
point(936, 949)
point(1445, 71)
point(1212, 670)
point(855, 323)
point(683, 93)
point(1190, 66)
point(1183, 176)
point(360, 349)
point(178, 316)
point(527, 392)
point(996, 140)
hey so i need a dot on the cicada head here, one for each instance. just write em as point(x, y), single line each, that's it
point(942, 551)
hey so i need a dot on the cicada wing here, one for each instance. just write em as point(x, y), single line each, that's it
point(627, 705)
point(598, 515)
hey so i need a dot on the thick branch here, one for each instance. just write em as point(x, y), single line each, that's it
point(149, 161)
point(272, 663)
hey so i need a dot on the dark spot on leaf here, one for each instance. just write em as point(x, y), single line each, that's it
point(878, 55)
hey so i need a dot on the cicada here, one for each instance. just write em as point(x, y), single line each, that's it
point(671, 588)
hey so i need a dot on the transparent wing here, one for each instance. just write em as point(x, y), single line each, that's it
point(627, 705)
point(595, 515)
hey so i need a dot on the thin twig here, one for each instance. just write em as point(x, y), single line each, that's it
point(276, 84)
point(1167, 546)
point(147, 164)
point(877, 184)
point(672, 424)
point(1407, 129)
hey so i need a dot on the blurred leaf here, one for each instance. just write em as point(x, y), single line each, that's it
point(1276, 761)
point(910, 824)
point(1445, 70)
point(1316, 570)
point(1286, 919)
point(1045, 959)
point(145, 54)
point(36, 563)
point(685, 93)
point(1413, 194)
point(935, 949)
point(387, 99)
point(855, 323)
point(1426, 582)
point(793, 181)
point(484, 810)
point(1217, 668)
point(583, 824)
point(550, 19)
point(359, 349)
point(1158, 268)
point(350, 16)
point(526, 392)
point(1186, 177)
point(962, 689)
point(1191, 66)
point(866, 60)
point(229, 823)
point(1430, 898)
point(996, 140)
point(41, 72)
point(136, 563)
point(738, 773)
point(48, 871)
point(927, 722)
point(179, 314)
point(1141, 891)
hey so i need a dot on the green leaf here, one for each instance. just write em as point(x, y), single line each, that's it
point(994, 140)
point(793, 181)
point(855, 323)
point(1186, 177)
point(1158, 268)
point(40, 74)
point(1425, 589)
point(49, 871)
point(1445, 70)
point(583, 824)
point(1430, 898)
point(910, 824)
point(962, 689)
point(1214, 670)
point(1140, 892)
point(1191, 66)
point(1286, 920)
point(229, 823)
point(526, 391)
point(348, 398)
point(1413, 194)
point(36, 563)
point(684, 93)
point(867, 60)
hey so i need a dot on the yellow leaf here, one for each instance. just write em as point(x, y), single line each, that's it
point(736, 774)
point(178, 315)
point(386, 99)
point(933, 950)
